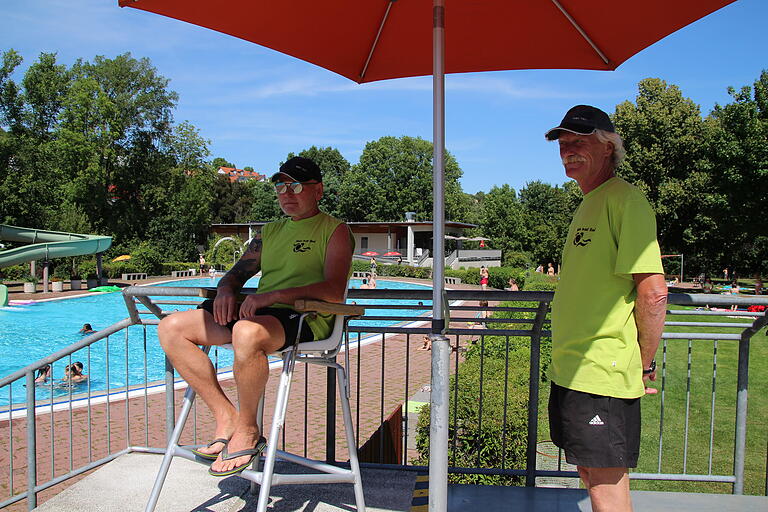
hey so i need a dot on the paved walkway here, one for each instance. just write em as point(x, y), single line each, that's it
point(384, 375)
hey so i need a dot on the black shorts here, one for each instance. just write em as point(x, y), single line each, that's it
point(595, 431)
point(288, 318)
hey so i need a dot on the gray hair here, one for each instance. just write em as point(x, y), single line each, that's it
point(618, 145)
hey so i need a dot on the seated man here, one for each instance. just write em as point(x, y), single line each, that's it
point(305, 256)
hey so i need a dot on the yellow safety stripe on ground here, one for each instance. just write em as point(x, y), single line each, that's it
point(420, 501)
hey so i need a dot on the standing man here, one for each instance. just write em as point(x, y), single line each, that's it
point(607, 314)
point(306, 255)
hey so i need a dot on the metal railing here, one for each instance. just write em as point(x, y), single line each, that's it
point(120, 415)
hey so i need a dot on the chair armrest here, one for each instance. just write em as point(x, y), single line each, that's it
point(318, 306)
point(332, 308)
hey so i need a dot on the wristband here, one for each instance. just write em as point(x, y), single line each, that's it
point(651, 368)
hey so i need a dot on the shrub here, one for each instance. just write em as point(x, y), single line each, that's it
point(147, 259)
point(170, 266)
point(61, 271)
point(494, 440)
point(14, 272)
point(499, 276)
point(87, 269)
point(393, 270)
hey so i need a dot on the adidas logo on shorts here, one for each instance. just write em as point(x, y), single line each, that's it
point(596, 420)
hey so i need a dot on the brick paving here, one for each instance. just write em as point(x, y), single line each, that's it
point(383, 376)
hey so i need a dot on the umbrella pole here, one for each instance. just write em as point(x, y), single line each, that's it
point(438, 429)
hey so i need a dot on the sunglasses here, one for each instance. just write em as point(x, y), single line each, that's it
point(295, 187)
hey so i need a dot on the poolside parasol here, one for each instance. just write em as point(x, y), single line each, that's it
point(369, 40)
point(392, 253)
point(370, 253)
point(124, 257)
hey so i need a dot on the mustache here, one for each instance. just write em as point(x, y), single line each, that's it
point(573, 159)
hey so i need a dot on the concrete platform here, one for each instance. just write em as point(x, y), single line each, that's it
point(538, 499)
point(125, 483)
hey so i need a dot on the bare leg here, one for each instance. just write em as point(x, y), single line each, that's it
point(608, 488)
point(253, 340)
point(180, 334)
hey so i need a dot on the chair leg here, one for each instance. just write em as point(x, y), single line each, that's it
point(170, 450)
point(278, 420)
point(354, 465)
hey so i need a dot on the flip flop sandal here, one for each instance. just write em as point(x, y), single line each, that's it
point(253, 452)
point(211, 456)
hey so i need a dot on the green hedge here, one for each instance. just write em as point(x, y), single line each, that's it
point(14, 272)
point(393, 270)
point(493, 440)
point(498, 276)
point(479, 440)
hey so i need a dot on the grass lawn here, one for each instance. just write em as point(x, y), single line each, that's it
point(694, 458)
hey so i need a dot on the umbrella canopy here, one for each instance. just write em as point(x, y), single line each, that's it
point(369, 40)
point(392, 253)
point(370, 253)
point(124, 257)
point(373, 40)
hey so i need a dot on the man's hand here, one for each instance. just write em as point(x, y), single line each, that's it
point(254, 302)
point(225, 306)
point(649, 377)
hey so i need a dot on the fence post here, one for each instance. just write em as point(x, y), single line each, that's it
point(533, 394)
point(742, 385)
point(31, 442)
point(170, 409)
point(330, 415)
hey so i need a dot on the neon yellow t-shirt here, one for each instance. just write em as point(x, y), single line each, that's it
point(594, 335)
point(293, 254)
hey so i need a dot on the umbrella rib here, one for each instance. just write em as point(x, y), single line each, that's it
point(376, 41)
point(581, 31)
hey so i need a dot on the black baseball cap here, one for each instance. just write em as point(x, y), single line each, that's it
point(299, 169)
point(583, 120)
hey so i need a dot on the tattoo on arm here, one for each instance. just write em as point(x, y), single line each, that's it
point(246, 267)
point(255, 245)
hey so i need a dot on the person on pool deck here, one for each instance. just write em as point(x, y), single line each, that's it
point(86, 329)
point(305, 256)
point(607, 314)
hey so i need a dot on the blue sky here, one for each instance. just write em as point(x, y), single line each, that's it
point(256, 105)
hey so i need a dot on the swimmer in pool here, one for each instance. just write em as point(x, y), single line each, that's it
point(87, 329)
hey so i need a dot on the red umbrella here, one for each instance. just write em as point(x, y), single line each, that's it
point(392, 253)
point(369, 40)
point(370, 253)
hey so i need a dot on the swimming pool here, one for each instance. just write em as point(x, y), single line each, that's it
point(31, 332)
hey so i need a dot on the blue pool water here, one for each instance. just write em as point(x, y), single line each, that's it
point(31, 332)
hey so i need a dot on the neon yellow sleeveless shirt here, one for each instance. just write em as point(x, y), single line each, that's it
point(293, 254)
point(594, 335)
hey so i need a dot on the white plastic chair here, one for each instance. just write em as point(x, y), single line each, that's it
point(320, 352)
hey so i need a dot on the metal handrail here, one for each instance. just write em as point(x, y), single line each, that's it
point(136, 295)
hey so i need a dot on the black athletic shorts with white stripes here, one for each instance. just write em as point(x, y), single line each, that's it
point(595, 431)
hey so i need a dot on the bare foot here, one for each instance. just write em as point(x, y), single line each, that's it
point(242, 439)
point(224, 430)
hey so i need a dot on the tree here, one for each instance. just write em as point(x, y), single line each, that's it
point(221, 162)
point(547, 213)
point(115, 125)
point(30, 177)
point(503, 219)
point(264, 206)
point(665, 138)
point(740, 164)
point(394, 175)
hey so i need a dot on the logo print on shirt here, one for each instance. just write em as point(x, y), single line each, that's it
point(582, 237)
point(302, 245)
point(596, 421)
